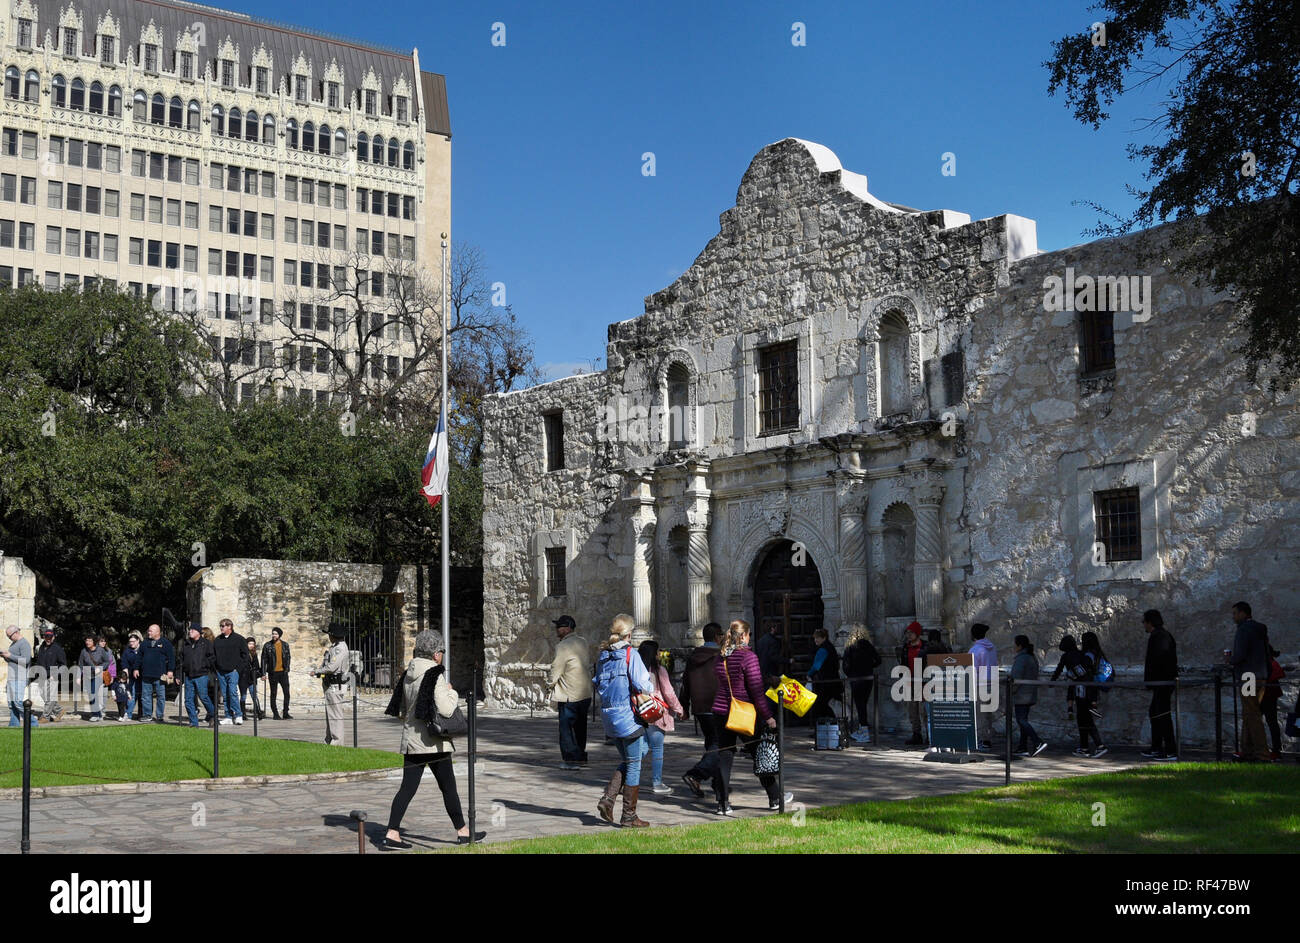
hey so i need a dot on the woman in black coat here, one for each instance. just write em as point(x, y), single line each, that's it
point(250, 670)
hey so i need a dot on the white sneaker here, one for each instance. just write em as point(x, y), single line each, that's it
point(661, 789)
point(239, 720)
point(225, 721)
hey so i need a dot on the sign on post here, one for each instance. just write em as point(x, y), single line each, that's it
point(950, 680)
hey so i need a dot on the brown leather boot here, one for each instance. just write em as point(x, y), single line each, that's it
point(630, 819)
point(606, 804)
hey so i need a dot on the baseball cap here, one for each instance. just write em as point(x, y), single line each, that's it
point(565, 620)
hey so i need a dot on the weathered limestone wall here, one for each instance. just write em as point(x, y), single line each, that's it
point(1222, 492)
point(17, 603)
point(259, 594)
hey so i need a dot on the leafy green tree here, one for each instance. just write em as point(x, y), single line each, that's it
point(1228, 153)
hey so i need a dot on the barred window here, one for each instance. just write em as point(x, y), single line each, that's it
point(1119, 523)
point(556, 582)
point(778, 388)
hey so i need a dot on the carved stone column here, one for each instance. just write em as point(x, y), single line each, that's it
point(852, 501)
point(876, 596)
point(639, 510)
point(927, 493)
point(699, 562)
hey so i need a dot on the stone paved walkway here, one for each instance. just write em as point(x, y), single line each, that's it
point(520, 793)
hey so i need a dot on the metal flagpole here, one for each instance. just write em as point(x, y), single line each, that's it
point(446, 572)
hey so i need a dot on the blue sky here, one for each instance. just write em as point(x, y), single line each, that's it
point(549, 129)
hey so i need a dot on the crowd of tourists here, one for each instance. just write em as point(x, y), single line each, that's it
point(210, 668)
point(725, 671)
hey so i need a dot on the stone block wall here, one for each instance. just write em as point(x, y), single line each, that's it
point(17, 603)
point(1215, 456)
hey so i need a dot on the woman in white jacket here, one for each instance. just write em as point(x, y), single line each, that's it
point(421, 748)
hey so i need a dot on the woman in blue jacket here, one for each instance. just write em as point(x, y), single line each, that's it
point(619, 673)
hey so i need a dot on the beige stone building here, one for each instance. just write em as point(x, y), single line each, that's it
point(253, 173)
point(848, 411)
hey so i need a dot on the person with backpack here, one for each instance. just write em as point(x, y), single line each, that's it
point(620, 676)
point(860, 663)
point(1101, 671)
point(1161, 665)
point(1025, 668)
point(1077, 667)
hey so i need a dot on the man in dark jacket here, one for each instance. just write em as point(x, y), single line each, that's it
point(275, 665)
point(91, 665)
point(128, 673)
point(699, 687)
point(54, 661)
point(1161, 665)
point(1249, 661)
point(196, 661)
point(230, 651)
point(771, 660)
point(157, 667)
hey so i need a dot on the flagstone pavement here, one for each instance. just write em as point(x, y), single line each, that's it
point(520, 792)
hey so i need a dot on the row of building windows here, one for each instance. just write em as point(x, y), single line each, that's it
point(224, 71)
point(156, 165)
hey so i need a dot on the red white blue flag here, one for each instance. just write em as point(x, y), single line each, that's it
point(434, 477)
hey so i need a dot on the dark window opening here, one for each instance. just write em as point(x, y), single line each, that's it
point(556, 584)
point(554, 433)
point(778, 388)
point(1119, 523)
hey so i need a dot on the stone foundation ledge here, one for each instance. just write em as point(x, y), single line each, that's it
point(200, 785)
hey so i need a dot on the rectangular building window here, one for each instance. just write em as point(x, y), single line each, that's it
point(187, 65)
point(27, 237)
point(54, 195)
point(553, 431)
point(1119, 523)
point(778, 388)
point(111, 203)
point(110, 247)
point(261, 73)
point(1096, 342)
point(556, 581)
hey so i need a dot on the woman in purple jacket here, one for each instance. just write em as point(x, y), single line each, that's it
point(739, 676)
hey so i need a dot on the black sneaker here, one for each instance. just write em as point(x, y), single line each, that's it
point(1167, 758)
point(387, 844)
point(1152, 755)
point(1099, 752)
point(288, 716)
point(693, 785)
point(1040, 748)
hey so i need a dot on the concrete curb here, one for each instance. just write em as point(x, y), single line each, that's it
point(198, 785)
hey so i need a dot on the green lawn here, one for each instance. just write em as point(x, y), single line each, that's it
point(1183, 808)
point(155, 753)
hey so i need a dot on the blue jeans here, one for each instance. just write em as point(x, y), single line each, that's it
point(148, 691)
point(573, 730)
point(654, 738)
point(228, 688)
point(631, 752)
point(197, 686)
point(132, 696)
point(1029, 739)
point(16, 708)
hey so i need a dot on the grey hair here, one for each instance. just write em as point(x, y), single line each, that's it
point(427, 643)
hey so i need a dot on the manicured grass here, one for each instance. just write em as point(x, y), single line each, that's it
point(1182, 808)
point(155, 753)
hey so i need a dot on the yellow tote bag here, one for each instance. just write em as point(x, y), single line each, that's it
point(742, 715)
point(792, 695)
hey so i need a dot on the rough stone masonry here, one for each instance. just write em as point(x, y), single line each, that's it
point(849, 412)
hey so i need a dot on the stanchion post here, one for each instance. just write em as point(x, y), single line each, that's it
point(1218, 717)
point(780, 751)
point(1007, 710)
point(1236, 733)
point(255, 708)
point(25, 844)
point(875, 709)
point(353, 676)
point(216, 731)
point(473, 741)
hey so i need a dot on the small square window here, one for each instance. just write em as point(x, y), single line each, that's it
point(1119, 523)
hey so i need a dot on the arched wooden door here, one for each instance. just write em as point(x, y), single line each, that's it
point(782, 585)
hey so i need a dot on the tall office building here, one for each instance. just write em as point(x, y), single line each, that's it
point(268, 179)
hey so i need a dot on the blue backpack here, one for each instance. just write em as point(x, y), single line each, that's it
point(1105, 671)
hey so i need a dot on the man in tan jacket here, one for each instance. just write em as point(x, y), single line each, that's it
point(571, 692)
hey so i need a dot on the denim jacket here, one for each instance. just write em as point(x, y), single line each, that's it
point(616, 675)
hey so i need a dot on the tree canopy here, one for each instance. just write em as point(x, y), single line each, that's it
point(1226, 151)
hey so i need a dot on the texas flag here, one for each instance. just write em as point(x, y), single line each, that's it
point(434, 476)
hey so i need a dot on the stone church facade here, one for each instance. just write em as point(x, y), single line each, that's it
point(852, 412)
